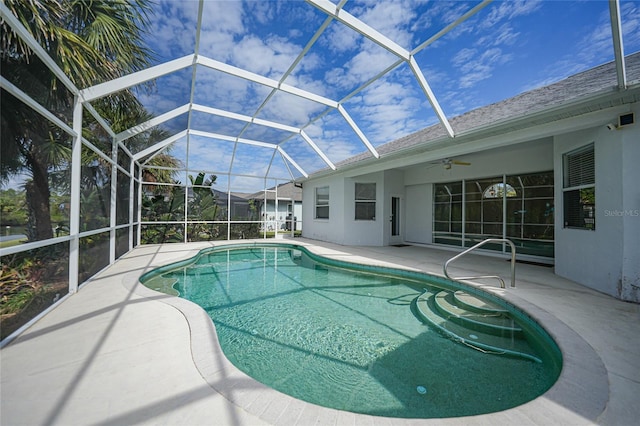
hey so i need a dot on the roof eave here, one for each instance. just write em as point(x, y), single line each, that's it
point(598, 101)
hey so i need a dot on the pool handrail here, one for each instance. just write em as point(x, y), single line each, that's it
point(481, 243)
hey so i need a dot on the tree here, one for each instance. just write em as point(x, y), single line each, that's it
point(92, 42)
point(12, 207)
point(203, 205)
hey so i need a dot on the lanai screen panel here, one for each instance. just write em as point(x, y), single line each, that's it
point(173, 29)
point(335, 138)
point(207, 122)
point(281, 169)
point(261, 37)
point(209, 154)
point(35, 84)
point(304, 155)
point(165, 93)
point(630, 12)
point(511, 47)
point(391, 107)
point(218, 89)
point(251, 160)
point(267, 132)
point(339, 62)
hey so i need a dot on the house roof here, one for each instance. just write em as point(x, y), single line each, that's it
point(223, 196)
point(287, 190)
point(588, 91)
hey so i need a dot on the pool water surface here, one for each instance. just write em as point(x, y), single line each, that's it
point(352, 339)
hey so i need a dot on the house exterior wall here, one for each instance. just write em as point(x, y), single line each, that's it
point(630, 281)
point(529, 157)
point(419, 210)
point(393, 187)
point(363, 232)
point(606, 259)
point(331, 229)
point(342, 227)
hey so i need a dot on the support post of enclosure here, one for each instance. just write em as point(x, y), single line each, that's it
point(113, 220)
point(74, 210)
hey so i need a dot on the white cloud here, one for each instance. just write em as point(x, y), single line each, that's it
point(295, 33)
point(168, 92)
point(290, 109)
point(503, 36)
point(391, 19)
point(339, 38)
point(463, 56)
point(173, 28)
point(361, 67)
point(269, 57)
point(507, 10)
point(220, 90)
point(251, 160)
point(493, 40)
point(480, 67)
point(630, 11)
point(222, 25)
point(261, 11)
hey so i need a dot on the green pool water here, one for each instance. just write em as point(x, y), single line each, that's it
point(349, 337)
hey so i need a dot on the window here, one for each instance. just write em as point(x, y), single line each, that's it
point(322, 202)
point(365, 201)
point(579, 190)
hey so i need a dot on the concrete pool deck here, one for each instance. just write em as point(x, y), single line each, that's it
point(118, 353)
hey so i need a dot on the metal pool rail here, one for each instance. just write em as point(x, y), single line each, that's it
point(488, 240)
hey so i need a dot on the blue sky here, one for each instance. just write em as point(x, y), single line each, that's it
point(505, 49)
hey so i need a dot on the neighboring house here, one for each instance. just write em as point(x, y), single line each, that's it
point(278, 205)
point(236, 204)
point(275, 207)
point(555, 169)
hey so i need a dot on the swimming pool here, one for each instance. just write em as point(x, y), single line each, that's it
point(362, 338)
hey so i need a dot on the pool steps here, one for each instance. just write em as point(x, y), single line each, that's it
point(472, 303)
point(473, 322)
point(490, 322)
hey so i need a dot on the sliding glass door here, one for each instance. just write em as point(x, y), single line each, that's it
point(518, 207)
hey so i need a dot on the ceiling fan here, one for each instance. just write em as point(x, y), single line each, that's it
point(448, 163)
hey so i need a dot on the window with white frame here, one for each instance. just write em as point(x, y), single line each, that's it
point(322, 202)
point(365, 197)
point(579, 188)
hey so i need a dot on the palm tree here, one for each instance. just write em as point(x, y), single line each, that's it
point(92, 42)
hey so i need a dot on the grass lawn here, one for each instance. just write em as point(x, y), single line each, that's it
point(5, 244)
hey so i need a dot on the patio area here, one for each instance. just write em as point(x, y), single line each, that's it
point(118, 353)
